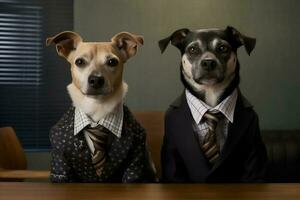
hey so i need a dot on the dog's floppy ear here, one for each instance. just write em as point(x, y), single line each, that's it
point(65, 42)
point(240, 39)
point(176, 39)
point(127, 43)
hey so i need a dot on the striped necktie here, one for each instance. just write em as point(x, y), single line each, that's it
point(99, 137)
point(210, 145)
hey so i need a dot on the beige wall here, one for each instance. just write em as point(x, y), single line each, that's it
point(270, 76)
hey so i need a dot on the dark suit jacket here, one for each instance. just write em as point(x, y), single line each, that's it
point(243, 158)
point(127, 159)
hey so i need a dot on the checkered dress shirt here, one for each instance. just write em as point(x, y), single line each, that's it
point(112, 121)
point(198, 108)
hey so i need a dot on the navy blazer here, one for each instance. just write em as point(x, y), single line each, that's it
point(127, 160)
point(243, 158)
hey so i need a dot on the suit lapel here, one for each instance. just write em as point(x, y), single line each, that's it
point(188, 142)
point(235, 130)
point(80, 143)
point(76, 142)
point(114, 159)
point(109, 167)
point(78, 151)
point(82, 151)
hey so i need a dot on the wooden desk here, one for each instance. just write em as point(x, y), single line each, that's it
point(17, 174)
point(44, 191)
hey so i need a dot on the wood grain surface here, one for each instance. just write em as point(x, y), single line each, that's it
point(23, 174)
point(74, 191)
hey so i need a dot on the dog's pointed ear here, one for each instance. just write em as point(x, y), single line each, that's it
point(65, 42)
point(240, 39)
point(176, 39)
point(127, 43)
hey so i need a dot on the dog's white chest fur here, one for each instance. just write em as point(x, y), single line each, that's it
point(96, 107)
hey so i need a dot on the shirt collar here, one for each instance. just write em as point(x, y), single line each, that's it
point(112, 121)
point(199, 108)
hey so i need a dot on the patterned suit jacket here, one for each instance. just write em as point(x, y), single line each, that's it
point(127, 158)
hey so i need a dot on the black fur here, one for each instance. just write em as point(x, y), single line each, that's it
point(183, 37)
point(233, 84)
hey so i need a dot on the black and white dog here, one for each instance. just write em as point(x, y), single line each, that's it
point(210, 72)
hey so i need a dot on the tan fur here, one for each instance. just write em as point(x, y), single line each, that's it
point(132, 41)
point(187, 66)
point(95, 54)
point(70, 46)
point(231, 64)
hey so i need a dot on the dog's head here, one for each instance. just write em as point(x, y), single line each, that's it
point(96, 67)
point(208, 56)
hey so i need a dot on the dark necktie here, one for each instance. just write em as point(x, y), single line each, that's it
point(210, 145)
point(99, 137)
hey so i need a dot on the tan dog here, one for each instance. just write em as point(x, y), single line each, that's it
point(97, 69)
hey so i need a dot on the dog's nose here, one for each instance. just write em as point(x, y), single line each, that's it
point(96, 81)
point(208, 64)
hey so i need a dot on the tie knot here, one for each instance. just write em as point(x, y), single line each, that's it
point(213, 116)
point(96, 128)
point(97, 133)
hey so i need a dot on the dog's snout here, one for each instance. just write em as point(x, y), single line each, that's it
point(208, 64)
point(96, 81)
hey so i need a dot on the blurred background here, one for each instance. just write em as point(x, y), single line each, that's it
point(33, 78)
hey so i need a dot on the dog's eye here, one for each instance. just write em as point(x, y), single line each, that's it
point(223, 48)
point(112, 62)
point(193, 50)
point(80, 62)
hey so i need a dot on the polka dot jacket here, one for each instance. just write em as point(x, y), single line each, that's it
point(127, 157)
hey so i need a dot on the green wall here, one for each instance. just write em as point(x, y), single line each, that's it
point(270, 76)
